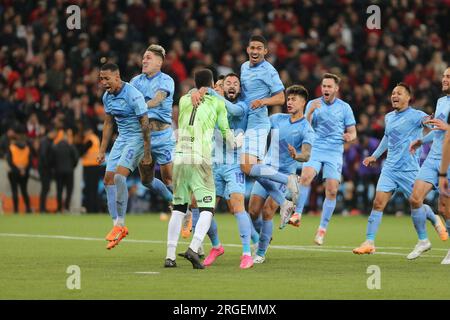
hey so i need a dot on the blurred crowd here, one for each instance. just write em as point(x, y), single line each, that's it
point(49, 74)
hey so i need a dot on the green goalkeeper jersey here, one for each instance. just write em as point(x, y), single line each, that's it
point(196, 127)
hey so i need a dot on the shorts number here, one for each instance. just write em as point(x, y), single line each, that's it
point(239, 177)
point(130, 154)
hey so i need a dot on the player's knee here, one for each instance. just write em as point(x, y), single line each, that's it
point(331, 192)
point(267, 213)
point(167, 181)
point(253, 212)
point(415, 201)
point(306, 179)
point(108, 179)
point(378, 205)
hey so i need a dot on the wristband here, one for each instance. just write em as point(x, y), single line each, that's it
point(442, 175)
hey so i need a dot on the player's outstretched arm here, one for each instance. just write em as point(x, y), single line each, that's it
point(275, 100)
point(157, 99)
point(106, 137)
point(382, 147)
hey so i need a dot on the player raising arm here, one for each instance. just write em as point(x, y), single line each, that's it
point(334, 124)
point(403, 125)
point(193, 166)
point(428, 176)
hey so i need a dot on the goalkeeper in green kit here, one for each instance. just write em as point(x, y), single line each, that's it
point(192, 173)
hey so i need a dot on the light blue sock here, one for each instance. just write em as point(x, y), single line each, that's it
point(213, 234)
point(254, 234)
point(257, 223)
point(327, 212)
point(244, 226)
point(272, 188)
point(111, 194)
point(266, 234)
point(158, 187)
point(419, 218)
point(430, 214)
point(265, 171)
point(373, 223)
point(195, 216)
point(122, 196)
point(447, 225)
point(302, 198)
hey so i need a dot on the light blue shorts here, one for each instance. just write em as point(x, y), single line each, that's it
point(331, 162)
point(259, 190)
point(125, 153)
point(228, 179)
point(163, 146)
point(429, 172)
point(255, 141)
point(392, 181)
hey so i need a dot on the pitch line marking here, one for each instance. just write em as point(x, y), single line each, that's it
point(281, 247)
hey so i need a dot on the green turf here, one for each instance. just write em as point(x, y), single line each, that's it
point(35, 268)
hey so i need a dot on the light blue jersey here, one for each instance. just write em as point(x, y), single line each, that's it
point(401, 128)
point(400, 167)
point(431, 166)
point(259, 81)
point(285, 132)
point(442, 113)
point(228, 176)
point(163, 142)
point(329, 123)
point(238, 122)
point(149, 86)
point(126, 107)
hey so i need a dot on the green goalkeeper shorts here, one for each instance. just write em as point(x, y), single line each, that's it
point(193, 179)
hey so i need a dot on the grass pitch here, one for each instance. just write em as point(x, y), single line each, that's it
point(37, 250)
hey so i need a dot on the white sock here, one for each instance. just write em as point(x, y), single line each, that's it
point(176, 220)
point(202, 227)
point(120, 221)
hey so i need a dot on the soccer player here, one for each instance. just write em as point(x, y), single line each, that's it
point(228, 177)
point(193, 166)
point(291, 141)
point(157, 89)
point(403, 125)
point(428, 176)
point(444, 181)
point(261, 87)
point(126, 105)
point(334, 123)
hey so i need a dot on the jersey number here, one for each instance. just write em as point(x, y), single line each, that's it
point(240, 177)
point(192, 119)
